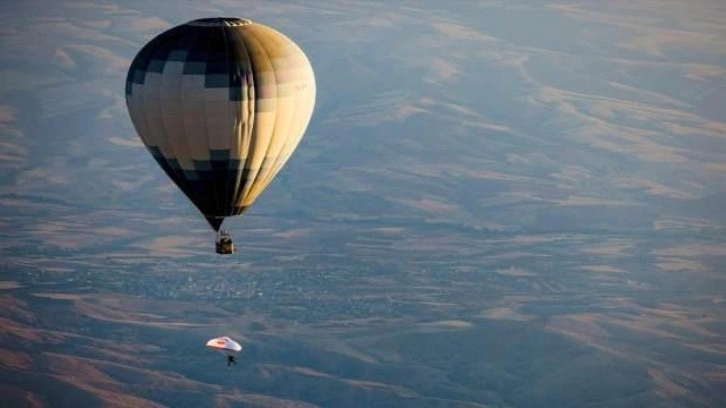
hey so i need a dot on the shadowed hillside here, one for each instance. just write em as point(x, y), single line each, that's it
point(505, 204)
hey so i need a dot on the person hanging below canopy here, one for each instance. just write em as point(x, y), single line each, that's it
point(227, 346)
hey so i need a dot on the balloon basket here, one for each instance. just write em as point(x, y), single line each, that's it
point(224, 244)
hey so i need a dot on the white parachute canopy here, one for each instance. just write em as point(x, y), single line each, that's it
point(224, 345)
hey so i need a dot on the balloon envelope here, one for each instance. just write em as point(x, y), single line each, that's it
point(224, 344)
point(221, 104)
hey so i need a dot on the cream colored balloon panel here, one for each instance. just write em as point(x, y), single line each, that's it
point(153, 113)
point(303, 92)
point(191, 100)
point(172, 114)
point(291, 72)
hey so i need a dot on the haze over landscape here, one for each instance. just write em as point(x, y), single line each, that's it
point(496, 203)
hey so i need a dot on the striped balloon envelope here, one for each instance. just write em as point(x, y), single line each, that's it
point(221, 104)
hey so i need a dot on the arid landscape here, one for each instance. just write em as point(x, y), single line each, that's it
point(505, 204)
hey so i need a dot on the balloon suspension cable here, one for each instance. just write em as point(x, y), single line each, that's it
point(215, 222)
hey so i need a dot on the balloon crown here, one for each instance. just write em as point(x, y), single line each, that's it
point(220, 21)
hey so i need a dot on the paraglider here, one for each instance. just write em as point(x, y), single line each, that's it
point(227, 346)
point(221, 104)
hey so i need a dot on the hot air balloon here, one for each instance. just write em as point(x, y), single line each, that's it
point(221, 104)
